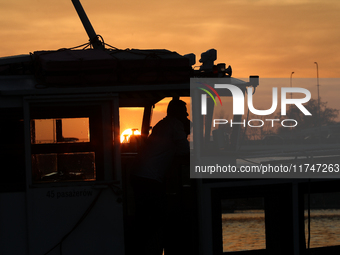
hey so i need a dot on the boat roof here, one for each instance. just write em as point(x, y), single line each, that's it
point(24, 81)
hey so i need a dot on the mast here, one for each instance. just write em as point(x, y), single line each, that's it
point(87, 25)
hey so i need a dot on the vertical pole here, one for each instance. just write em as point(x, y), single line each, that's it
point(116, 135)
point(147, 115)
point(59, 130)
point(317, 84)
point(291, 82)
point(28, 171)
point(197, 122)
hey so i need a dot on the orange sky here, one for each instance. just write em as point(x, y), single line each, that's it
point(269, 38)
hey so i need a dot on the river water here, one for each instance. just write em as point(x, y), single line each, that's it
point(245, 230)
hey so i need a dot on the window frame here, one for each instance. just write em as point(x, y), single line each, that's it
point(103, 114)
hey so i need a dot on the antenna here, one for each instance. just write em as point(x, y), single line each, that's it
point(87, 25)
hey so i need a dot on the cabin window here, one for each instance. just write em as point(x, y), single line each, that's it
point(243, 224)
point(160, 108)
point(66, 130)
point(131, 119)
point(64, 166)
point(62, 163)
point(67, 141)
point(324, 219)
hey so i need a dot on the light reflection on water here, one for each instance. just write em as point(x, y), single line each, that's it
point(245, 230)
point(324, 226)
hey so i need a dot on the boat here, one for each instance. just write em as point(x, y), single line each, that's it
point(65, 194)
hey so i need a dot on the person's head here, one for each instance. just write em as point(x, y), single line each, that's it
point(177, 108)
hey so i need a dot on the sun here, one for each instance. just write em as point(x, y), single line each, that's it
point(125, 136)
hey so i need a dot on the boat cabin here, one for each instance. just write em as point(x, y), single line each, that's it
point(65, 175)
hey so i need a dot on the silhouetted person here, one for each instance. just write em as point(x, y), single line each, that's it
point(166, 144)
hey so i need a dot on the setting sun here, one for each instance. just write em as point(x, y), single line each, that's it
point(125, 136)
